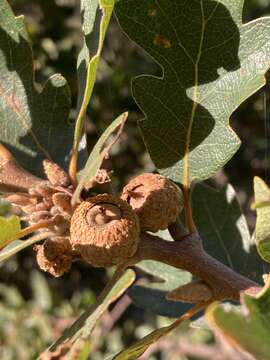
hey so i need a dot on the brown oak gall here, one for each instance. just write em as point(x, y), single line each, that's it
point(156, 200)
point(104, 230)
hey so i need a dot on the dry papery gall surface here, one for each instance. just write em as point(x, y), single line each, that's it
point(105, 230)
point(55, 255)
point(156, 200)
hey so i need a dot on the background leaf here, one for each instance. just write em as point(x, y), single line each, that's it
point(136, 350)
point(249, 328)
point(224, 230)
point(152, 296)
point(210, 64)
point(262, 204)
point(8, 228)
point(33, 124)
point(41, 291)
point(84, 325)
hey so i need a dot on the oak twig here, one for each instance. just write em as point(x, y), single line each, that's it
point(188, 254)
point(12, 176)
point(188, 209)
point(26, 231)
point(177, 231)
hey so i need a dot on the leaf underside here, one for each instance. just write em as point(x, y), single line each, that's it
point(210, 64)
point(33, 124)
point(224, 230)
point(152, 296)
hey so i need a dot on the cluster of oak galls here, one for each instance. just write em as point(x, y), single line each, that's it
point(103, 230)
point(106, 230)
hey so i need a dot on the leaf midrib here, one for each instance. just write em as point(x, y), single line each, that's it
point(186, 173)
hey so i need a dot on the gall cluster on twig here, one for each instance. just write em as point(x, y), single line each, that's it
point(103, 230)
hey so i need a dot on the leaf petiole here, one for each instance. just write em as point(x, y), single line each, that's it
point(137, 349)
point(26, 231)
point(188, 210)
point(5, 254)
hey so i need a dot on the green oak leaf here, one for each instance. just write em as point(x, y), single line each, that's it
point(8, 228)
point(224, 230)
point(96, 15)
point(95, 18)
point(18, 245)
point(152, 296)
point(98, 154)
point(139, 347)
point(90, 20)
point(262, 205)
point(33, 124)
point(210, 63)
point(249, 328)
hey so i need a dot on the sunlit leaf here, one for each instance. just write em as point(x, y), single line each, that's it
point(95, 16)
point(210, 64)
point(96, 157)
point(19, 245)
point(262, 205)
point(9, 228)
point(248, 328)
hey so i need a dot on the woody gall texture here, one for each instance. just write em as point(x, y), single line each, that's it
point(46, 205)
point(55, 255)
point(104, 230)
point(156, 200)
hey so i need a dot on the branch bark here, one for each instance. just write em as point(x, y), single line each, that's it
point(13, 178)
point(188, 254)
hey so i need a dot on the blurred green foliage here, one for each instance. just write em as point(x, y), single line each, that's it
point(34, 307)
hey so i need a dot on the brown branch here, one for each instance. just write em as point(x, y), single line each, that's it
point(26, 231)
point(188, 254)
point(12, 176)
point(178, 231)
